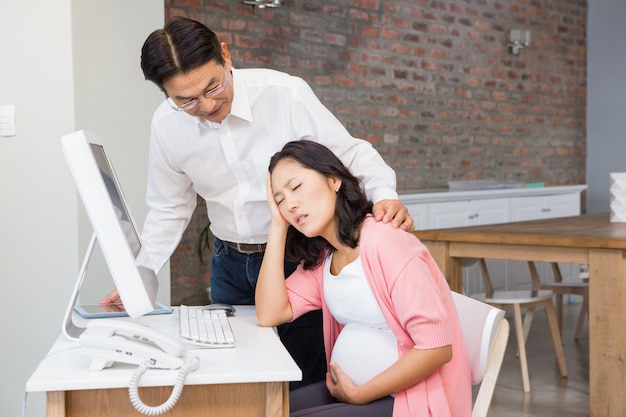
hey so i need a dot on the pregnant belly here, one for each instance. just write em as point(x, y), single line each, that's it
point(364, 352)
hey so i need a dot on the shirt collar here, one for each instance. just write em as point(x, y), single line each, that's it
point(241, 102)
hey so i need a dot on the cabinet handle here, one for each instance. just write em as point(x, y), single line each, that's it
point(546, 210)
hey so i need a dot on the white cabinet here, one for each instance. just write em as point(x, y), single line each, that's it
point(545, 207)
point(542, 207)
point(419, 212)
point(444, 209)
point(468, 213)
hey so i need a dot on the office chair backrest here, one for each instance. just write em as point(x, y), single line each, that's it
point(486, 334)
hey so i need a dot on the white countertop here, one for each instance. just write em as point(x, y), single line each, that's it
point(444, 194)
point(258, 356)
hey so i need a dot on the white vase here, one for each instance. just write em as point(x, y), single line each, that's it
point(618, 196)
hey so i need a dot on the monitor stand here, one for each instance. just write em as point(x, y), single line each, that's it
point(70, 330)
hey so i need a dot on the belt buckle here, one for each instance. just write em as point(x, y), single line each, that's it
point(242, 250)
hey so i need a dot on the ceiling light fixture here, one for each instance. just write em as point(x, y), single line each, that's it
point(261, 4)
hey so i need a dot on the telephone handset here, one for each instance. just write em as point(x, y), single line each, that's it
point(109, 340)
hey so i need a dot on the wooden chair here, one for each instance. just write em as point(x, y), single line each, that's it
point(561, 288)
point(486, 334)
point(514, 301)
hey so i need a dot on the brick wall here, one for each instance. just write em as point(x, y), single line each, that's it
point(190, 264)
point(431, 84)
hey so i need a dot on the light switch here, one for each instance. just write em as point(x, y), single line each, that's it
point(7, 120)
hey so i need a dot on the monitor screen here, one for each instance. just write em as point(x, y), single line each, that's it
point(112, 187)
point(112, 221)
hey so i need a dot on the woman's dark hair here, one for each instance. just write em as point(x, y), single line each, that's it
point(181, 46)
point(351, 207)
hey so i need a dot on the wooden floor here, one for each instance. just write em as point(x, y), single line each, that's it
point(551, 395)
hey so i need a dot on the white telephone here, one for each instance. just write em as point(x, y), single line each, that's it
point(109, 341)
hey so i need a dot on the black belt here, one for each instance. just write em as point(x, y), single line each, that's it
point(246, 247)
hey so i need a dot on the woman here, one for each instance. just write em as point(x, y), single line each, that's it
point(390, 325)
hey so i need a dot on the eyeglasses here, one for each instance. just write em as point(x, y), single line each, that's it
point(212, 93)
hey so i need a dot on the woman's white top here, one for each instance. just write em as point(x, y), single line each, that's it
point(365, 346)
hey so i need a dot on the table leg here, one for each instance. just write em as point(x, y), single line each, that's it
point(451, 268)
point(55, 404)
point(607, 332)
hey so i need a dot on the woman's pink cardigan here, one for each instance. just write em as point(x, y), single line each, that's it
point(417, 304)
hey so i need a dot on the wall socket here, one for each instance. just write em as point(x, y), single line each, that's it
point(7, 120)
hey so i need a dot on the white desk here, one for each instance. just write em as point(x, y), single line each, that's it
point(250, 379)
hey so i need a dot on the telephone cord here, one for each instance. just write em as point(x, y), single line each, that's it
point(133, 388)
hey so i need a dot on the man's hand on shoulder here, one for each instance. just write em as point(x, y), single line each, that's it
point(394, 212)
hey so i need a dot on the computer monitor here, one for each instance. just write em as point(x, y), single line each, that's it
point(113, 228)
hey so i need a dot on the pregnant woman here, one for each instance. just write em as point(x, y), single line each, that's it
point(392, 336)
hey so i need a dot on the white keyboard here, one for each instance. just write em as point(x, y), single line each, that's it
point(207, 328)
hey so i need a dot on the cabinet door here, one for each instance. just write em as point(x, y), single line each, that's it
point(526, 208)
point(490, 211)
point(561, 206)
point(419, 212)
point(468, 213)
point(545, 207)
point(446, 215)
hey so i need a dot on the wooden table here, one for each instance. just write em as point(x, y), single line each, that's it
point(587, 239)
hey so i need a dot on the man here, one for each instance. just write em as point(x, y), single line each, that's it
point(213, 136)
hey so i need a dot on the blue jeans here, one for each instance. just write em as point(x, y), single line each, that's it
point(233, 275)
point(233, 281)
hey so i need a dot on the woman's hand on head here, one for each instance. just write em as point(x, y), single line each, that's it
point(277, 218)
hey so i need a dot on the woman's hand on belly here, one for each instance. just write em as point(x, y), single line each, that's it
point(342, 387)
point(411, 368)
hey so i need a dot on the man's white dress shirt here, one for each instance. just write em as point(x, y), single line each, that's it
point(227, 163)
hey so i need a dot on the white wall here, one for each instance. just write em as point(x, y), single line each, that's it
point(114, 101)
point(606, 90)
point(44, 44)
